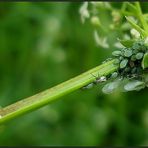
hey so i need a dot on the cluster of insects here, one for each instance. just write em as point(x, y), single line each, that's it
point(129, 60)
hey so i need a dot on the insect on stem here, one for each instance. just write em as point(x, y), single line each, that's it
point(99, 79)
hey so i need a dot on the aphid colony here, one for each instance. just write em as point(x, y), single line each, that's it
point(129, 60)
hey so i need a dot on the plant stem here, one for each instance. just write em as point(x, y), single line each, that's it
point(141, 18)
point(43, 98)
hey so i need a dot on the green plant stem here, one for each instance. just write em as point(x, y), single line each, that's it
point(141, 17)
point(43, 98)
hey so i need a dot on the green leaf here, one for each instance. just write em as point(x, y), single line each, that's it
point(145, 61)
point(135, 26)
point(127, 43)
point(131, 7)
point(127, 13)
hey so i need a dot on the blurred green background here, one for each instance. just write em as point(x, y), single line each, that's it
point(44, 44)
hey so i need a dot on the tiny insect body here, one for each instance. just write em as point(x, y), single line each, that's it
point(88, 86)
point(99, 79)
point(95, 82)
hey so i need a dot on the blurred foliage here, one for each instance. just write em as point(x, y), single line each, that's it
point(43, 44)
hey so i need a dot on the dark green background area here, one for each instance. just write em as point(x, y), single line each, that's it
point(44, 44)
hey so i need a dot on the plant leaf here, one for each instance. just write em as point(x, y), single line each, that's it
point(135, 26)
point(127, 43)
point(145, 61)
point(131, 7)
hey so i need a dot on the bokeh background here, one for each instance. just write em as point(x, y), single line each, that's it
point(43, 44)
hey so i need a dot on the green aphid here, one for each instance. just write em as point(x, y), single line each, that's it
point(136, 46)
point(117, 61)
point(121, 58)
point(114, 75)
point(110, 87)
point(127, 69)
point(143, 48)
point(134, 85)
point(133, 58)
point(141, 43)
point(133, 70)
point(90, 85)
point(139, 55)
point(123, 51)
point(135, 51)
point(139, 70)
point(116, 53)
point(128, 53)
point(123, 63)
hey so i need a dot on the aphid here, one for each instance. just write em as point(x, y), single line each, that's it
point(123, 63)
point(117, 61)
point(95, 82)
point(139, 70)
point(116, 53)
point(131, 63)
point(139, 55)
point(133, 58)
point(127, 69)
point(136, 46)
point(90, 85)
point(133, 70)
point(135, 51)
point(114, 75)
point(110, 87)
point(143, 48)
point(134, 85)
point(99, 79)
point(128, 52)
point(121, 58)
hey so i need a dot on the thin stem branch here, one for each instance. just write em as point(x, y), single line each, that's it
point(43, 98)
point(141, 17)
